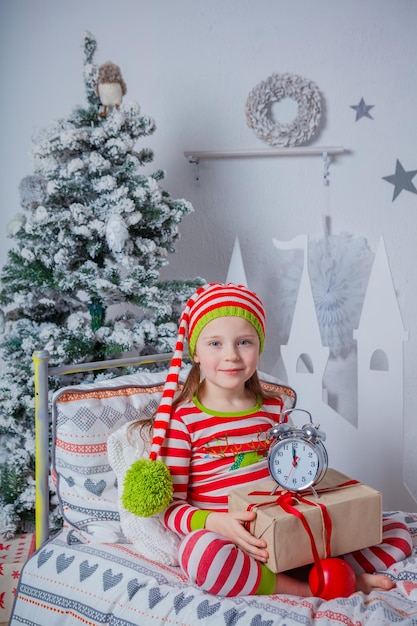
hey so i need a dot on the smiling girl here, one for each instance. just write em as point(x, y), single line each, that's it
point(214, 436)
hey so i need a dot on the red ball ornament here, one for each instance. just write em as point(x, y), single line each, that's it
point(339, 580)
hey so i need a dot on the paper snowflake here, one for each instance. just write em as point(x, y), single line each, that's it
point(339, 268)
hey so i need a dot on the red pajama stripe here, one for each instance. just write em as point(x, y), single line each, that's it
point(206, 559)
point(185, 557)
point(385, 557)
point(399, 544)
point(366, 565)
point(226, 569)
point(243, 577)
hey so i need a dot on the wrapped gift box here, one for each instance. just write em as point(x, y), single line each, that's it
point(13, 554)
point(355, 511)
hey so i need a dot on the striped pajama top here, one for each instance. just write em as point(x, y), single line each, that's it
point(209, 453)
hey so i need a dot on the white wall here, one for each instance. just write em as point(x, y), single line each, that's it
point(191, 65)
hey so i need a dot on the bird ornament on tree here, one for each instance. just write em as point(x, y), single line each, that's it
point(110, 87)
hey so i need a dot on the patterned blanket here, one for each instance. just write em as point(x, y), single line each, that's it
point(111, 584)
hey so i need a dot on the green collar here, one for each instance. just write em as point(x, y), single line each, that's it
point(203, 408)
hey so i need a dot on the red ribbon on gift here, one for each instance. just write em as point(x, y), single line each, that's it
point(286, 501)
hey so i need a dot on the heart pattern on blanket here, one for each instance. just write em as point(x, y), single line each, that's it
point(155, 596)
point(63, 562)
point(96, 488)
point(409, 586)
point(258, 621)
point(69, 480)
point(232, 616)
point(44, 556)
point(181, 601)
point(87, 570)
point(205, 610)
point(133, 587)
point(111, 580)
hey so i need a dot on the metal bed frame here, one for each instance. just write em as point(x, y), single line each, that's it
point(42, 372)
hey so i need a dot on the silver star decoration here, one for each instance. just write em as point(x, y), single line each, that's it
point(401, 180)
point(362, 109)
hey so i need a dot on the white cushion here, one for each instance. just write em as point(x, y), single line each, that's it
point(149, 537)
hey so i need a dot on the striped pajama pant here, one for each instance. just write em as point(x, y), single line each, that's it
point(218, 566)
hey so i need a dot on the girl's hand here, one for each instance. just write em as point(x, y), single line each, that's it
point(231, 526)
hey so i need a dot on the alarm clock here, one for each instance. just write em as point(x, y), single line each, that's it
point(297, 459)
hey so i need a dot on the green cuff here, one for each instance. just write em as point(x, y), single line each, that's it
point(198, 519)
point(267, 583)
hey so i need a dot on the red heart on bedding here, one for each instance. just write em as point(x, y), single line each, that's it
point(409, 586)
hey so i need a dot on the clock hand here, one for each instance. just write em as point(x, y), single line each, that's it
point(294, 462)
point(294, 456)
point(294, 465)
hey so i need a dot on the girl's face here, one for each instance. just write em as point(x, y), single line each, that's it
point(227, 350)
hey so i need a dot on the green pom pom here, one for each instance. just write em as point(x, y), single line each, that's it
point(147, 488)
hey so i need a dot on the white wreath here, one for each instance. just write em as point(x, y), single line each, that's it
point(274, 89)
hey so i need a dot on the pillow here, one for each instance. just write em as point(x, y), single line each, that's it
point(147, 534)
point(83, 418)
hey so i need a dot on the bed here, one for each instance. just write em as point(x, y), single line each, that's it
point(100, 568)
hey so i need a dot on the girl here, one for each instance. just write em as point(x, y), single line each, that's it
point(213, 437)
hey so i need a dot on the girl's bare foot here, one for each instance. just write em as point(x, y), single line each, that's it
point(370, 582)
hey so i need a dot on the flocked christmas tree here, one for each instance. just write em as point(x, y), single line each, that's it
point(95, 232)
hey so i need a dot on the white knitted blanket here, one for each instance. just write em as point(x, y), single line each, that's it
point(147, 534)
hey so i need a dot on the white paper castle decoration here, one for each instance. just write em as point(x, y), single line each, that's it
point(236, 273)
point(372, 452)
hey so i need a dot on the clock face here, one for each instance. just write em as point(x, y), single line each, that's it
point(294, 464)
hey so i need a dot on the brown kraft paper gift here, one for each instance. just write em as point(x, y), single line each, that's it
point(355, 511)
